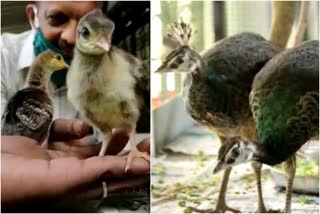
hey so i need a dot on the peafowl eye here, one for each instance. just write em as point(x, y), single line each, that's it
point(235, 152)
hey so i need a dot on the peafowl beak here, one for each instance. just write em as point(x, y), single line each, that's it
point(219, 167)
point(104, 44)
point(162, 69)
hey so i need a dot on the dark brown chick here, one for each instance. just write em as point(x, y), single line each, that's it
point(29, 112)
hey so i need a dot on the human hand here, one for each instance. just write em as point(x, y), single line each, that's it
point(68, 168)
point(69, 138)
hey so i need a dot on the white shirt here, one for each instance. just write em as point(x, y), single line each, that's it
point(16, 58)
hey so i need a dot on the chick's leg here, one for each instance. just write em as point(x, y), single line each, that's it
point(135, 153)
point(105, 143)
point(290, 168)
point(257, 169)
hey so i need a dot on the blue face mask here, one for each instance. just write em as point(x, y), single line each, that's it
point(40, 44)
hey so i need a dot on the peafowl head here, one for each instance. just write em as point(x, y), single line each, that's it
point(183, 58)
point(94, 32)
point(234, 151)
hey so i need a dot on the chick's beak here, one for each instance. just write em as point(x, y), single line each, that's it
point(218, 167)
point(104, 44)
point(65, 65)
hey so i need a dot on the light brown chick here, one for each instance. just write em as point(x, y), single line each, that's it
point(104, 82)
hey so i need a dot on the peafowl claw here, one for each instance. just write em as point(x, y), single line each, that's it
point(219, 209)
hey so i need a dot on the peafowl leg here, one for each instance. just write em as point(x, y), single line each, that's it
point(290, 168)
point(221, 204)
point(135, 153)
point(257, 170)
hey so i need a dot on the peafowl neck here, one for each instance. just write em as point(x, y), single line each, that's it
point(272, 148)
point(206, 91)
point(199, 67)
point(38, 77)
point(261, 155)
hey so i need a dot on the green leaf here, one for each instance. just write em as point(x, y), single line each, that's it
point(182, 203)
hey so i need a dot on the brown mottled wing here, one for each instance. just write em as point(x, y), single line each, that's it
point(139, 70)
point(34, 114)
point(285, 99)
point(28, 113)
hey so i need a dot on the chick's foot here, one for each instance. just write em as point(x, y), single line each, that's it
point(135, 153)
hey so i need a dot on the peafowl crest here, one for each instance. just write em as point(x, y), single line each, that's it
point(180, 31)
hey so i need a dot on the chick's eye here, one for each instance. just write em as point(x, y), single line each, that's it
point(58, 57)
point(84, 32)
point(235, 152)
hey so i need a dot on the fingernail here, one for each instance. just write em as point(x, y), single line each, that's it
point(127, 171)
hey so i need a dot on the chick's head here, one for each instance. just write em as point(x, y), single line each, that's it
point(52, 60)
point(94, 32)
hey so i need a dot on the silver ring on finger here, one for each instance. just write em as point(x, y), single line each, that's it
point(104, 189)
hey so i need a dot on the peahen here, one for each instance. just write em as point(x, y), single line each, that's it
point(285, 105)
point(217, 86)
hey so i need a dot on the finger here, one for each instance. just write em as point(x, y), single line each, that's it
point(144, 146)
point(82, 172)
point(84, 148)
point(95, 192)
point(114, 166)
point(118, 141)
point(68, 129)
point(79, 152)
point(22, 146)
